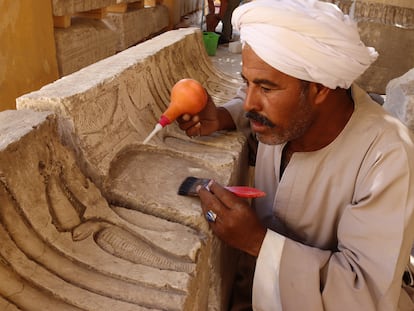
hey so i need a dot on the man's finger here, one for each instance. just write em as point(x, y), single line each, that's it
point(186, 117)
point(226, 197)
point(196, 118)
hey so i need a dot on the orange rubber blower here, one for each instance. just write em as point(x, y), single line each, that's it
point(187, 97)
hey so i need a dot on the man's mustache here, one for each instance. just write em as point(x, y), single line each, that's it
point(253, 115)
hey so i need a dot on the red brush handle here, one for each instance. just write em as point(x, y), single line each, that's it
point(246, 192)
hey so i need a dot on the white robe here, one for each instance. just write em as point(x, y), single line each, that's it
point(340, 219)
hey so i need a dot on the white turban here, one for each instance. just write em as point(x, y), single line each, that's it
point(308, 39)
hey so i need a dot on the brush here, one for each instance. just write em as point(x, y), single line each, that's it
point(189, 187)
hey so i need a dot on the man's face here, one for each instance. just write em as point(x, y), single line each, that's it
point(277, 104)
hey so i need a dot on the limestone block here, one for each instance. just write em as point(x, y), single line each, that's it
point(85, 42)
point(181, 9)
point(399, 99)
point(190, 6)
point(396, 54)
point(106, 110)
point(387, 25)
point(135, 26)
point(65, 248)
point(69, 7)
point(397, 3)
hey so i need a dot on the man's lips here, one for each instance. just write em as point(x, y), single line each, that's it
point(258, 122)
point(257, 126)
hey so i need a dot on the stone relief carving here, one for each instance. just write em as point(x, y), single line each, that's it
point(121, 238)
point(65, 246)
point(68, 215)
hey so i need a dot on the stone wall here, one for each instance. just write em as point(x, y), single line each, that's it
point(387, 25)
point(134, 26)
point(90, 217)
point(85, 42)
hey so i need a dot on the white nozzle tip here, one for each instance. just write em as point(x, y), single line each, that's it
point(158, 127)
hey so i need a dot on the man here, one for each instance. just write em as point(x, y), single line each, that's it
point(227, 29)
point(224, 15)
point(336, 228)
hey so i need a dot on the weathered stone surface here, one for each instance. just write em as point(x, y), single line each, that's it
point(398, 3)
point(85, 42)
point(68, 7)
point(387, 25)
point(65, 248)
point(103, 114)
point(399, 99)
point(393, 12)
point(135, 26)
point(396, 54)
point(116, 102)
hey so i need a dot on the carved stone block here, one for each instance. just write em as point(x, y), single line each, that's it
point(65, 248)
point(85, 42)
point(103, 113)
point(135, 26)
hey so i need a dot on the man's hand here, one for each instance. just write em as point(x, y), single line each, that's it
point(204, 123)
point(207, 121)
point(236, 223)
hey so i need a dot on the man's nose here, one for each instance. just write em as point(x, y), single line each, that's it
point(252, 101)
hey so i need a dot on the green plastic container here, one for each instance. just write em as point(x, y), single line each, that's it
point(210, 42)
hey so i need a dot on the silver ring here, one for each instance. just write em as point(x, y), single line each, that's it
point(211, 216)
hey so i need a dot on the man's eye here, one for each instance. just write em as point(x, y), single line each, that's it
point(265, 89)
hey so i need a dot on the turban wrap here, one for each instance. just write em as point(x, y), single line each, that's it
point(307, 39)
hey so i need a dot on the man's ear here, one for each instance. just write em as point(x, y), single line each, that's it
point(320, 92)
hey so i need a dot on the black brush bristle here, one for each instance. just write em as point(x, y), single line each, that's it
point(189, 185)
